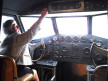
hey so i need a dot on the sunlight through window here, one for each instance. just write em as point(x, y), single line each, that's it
point(100, 26)
point(74, 25)
point(46, 26)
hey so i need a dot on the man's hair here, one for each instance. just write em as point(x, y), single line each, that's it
point(7, 26)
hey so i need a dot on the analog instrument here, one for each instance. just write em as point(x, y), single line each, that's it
point(75, 39)
point(61, 38)
point(68, 39)
point(55, 38)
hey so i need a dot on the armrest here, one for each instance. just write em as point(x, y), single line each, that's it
point(27, 77)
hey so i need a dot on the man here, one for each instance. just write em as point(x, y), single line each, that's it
point(15, 44)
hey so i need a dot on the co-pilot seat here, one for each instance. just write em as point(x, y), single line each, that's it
point(8, 70)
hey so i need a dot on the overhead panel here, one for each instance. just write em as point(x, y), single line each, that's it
point(81, 5)
point(66, 6)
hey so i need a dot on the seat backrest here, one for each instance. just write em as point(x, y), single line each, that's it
point(8, 69)
point(100, 73)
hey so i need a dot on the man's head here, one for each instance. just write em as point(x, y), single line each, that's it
point(10, 27)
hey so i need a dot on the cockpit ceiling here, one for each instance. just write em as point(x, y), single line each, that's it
point(17, 6)
point(25, 7)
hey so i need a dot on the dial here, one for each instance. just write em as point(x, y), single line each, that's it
point(55, 38)
point(86, 50)
point(64, 49)
point(75, 39)
point(83, 39)
point(61, 38)
point(68, 39)
point(92, 39)
point(99, 43)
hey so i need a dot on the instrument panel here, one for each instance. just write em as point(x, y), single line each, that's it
point(69, 48)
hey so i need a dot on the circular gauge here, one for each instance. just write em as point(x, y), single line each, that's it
point(55, 38)
point(68, 39)
point(86, 50)
point(99, 43)
point(61, 38)
point(64, 49)
point(83, 39)
point(49, 41)
point(92, 39)
point(75, 39)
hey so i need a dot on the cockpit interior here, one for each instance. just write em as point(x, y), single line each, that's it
point(69, 31)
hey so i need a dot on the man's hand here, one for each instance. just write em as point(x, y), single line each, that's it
point(44, 12)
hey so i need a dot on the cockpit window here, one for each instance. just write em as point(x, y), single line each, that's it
point(73, 25)
point(100, 26)
point(46, 26)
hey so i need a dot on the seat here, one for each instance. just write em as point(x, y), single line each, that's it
point(8, 70)
point(100, 73)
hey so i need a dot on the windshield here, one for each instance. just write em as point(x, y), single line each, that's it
point(70, 25)
point(46, 26)
point(100, 26)
point(73, 25)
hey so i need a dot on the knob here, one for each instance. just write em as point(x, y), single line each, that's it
point(86, 50)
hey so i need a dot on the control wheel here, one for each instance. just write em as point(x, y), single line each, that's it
point(99, 55)
point(39, 52)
